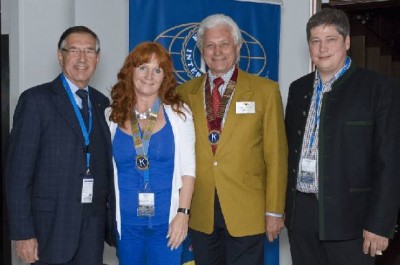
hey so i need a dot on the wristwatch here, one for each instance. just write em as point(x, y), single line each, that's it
point(184, 210)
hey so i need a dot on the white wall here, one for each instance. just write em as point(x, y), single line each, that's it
point(5, 17)
point(294, 57)
point(36, 25)
point(294, 62)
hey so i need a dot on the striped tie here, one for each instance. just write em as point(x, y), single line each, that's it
point(215, 95)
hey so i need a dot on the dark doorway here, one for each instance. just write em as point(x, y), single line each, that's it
point(375, 33)
point(5, 244)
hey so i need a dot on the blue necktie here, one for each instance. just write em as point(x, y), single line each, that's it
point(83, 94)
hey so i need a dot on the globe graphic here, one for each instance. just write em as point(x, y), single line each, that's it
point(180, 42)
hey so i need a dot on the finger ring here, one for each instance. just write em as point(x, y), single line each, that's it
point(378, 252)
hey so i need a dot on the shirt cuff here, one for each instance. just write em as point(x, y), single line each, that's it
point(279, 215)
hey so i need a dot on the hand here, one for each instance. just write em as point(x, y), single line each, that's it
point(274, 226)
point(374, 244)
point(27, 250)
point(178, 230)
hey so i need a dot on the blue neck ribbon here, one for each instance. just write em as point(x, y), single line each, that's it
point(78, 114)
point(319, 94)
point(142, 142)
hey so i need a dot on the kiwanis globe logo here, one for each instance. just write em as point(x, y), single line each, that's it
point(180, 41)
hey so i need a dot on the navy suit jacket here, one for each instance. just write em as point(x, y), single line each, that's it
point(44, 169)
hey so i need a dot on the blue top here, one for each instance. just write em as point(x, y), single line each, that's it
point(161, 154)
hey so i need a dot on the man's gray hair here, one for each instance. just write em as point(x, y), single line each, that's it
point(215, 20)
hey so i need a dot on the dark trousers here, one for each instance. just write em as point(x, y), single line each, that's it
point(220, 248)
point(307, 249)
point(91, 243)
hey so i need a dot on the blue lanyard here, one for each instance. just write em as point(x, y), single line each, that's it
point(141, 143)
point(85, 131)
point(319, 94)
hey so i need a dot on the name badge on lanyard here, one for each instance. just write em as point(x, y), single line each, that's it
point(146, 198)
point(308, 169)
point(308, 165)
point(146, 204)
point(87, 190)
point(87, 182)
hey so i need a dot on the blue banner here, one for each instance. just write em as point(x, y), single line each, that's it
point(174, 24)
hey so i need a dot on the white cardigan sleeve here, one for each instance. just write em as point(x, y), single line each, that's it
point(184, 161)
point(113, 127)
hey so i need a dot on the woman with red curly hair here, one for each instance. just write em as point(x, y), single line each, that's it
point(154, 162)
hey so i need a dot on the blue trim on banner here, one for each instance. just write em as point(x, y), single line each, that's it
point(271, 252)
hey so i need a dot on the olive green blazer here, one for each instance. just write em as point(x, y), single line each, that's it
point(249, 168)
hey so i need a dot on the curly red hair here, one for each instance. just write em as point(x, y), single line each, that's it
point(123, 94)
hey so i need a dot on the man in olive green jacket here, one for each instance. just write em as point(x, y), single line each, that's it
point(241, 153)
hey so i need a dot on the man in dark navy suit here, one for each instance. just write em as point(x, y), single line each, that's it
point(59, 171)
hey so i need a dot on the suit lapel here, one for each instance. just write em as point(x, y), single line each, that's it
point(196, 99)
point(242, 93)
point(64, 107)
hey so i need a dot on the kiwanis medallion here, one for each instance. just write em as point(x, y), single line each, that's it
point(213, 137)
point(142, 162)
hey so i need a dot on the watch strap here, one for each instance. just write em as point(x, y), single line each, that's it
point(184, 210)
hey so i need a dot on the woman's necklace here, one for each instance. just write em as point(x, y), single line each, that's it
point(142, 115)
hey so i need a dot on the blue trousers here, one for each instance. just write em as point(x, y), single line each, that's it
point(140, 245)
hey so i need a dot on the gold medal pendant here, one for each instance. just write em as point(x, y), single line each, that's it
point(142, 162)
point(213, 137)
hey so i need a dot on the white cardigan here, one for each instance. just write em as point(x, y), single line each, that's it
point(184, 160)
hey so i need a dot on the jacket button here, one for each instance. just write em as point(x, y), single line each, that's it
point(294, 170)
point(298, 132)
point(295, 151)
point(304, 113)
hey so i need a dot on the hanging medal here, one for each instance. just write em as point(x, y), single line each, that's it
point(146, 198)
point(215, 123)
